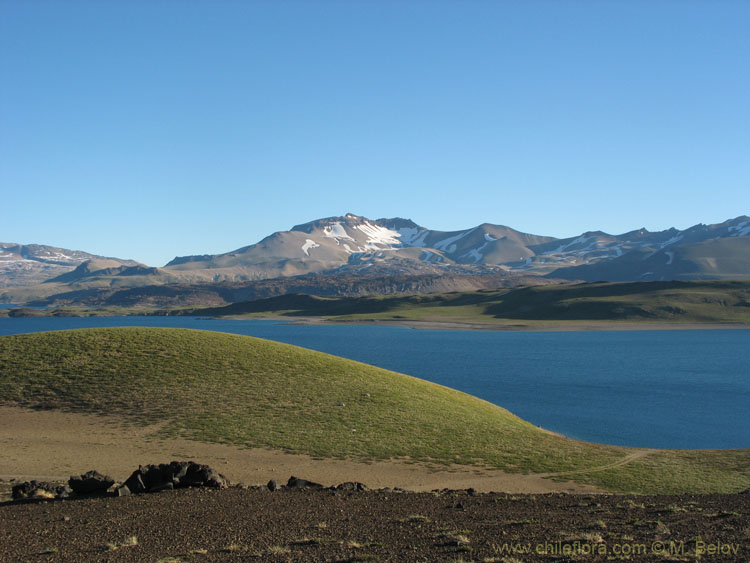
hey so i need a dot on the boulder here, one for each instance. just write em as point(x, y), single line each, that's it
point(39, 490)
point(153, 478)
point(272, 485)
point(175, 470)
point(351, 486)
point(198, 475)
point(295, 482)
point(174, 475)
point(134, 483)
point(163, 487)
point(91, 482)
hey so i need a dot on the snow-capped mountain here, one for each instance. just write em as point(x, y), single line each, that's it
point(30, 264)
point(701, 252)
point(356, 244)
point(354, 247)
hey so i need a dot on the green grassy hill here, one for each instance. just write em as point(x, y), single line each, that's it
point(654, 302)
point(249, 392)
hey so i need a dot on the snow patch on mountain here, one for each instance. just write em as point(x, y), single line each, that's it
point(580, 240)
point(670, 256)
point(309, 244)
point(476, 253)
point(411, 236)
point(377, 235)
point(448, 244)
point(336, 231)
point(489, 237)
point(430, 257)
point(671, 241)
point(741, 228)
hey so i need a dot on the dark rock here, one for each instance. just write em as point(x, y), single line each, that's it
point(272, 485)
point(351, 486)
point(300, 483)
point(162, 487)
point(39, 490)
point(175, 471)
point(91, 482)
point(152, 477)
point(134, 483)
point(174, 475)
point(198, 475)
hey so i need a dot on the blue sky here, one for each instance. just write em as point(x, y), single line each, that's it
point(153, 129)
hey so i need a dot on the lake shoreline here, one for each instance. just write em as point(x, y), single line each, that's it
point(542, 326)
point(668, 377)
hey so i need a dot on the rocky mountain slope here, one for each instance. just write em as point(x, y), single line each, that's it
point(355, 243)
point(31, 264)
point(720, 251)
point(313, 255)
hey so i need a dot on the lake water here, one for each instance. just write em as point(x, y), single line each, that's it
point(660, 389)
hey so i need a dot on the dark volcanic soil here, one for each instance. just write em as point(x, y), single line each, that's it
point(323, 525)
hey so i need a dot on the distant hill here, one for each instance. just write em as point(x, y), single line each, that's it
point(31, 264)
point(160, 289)
point(672, 302)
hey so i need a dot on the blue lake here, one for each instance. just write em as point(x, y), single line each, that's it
point(660, 389)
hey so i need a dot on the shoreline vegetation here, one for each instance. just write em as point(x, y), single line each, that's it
point(590, 306)
point(244, 392)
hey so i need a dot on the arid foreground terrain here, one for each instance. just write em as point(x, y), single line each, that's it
point(328, 525)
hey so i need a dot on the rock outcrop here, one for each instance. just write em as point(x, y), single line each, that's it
point(90, 483)
point(39, 490)
point(174, 475)
point(145, 479)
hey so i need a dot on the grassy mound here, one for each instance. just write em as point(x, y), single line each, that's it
point(245, 391)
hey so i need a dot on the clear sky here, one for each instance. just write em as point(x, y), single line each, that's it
point(150, 129)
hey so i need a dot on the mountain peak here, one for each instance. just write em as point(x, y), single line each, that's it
point(398, 223)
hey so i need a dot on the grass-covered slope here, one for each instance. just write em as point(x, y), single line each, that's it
point(641, 302)
point(245, 391)
point(672, 301)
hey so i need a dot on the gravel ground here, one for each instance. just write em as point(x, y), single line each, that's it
point(324, 525)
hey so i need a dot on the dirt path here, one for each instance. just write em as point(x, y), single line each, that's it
point(624, 461)
point(54, 445)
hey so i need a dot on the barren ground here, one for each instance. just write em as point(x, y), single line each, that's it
point(242, 523)
point(322, 525)
point(53, 445)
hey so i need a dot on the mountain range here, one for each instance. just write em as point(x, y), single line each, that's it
point(362, 250)
point(356, 244)
point(29, 264)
